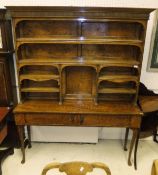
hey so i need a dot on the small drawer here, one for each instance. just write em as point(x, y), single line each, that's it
point(52, 119)
point(105, 120)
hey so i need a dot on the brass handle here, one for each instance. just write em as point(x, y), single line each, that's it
point(72, 118)
point(81, 119)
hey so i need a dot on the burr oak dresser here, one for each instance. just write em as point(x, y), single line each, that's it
point(78, 66)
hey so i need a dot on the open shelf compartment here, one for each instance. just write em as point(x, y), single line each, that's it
point(41, 53)
point(79, 28)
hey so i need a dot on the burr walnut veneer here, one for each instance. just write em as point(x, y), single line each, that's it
point(78, 66)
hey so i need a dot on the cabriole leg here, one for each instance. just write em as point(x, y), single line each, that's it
point(135, 133)
point(21, 136)
point(29, 136)
point(135, 150)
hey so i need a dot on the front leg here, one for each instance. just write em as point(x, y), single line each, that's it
point(21, 136)
point(135, 133)
point(29, 136)
point(135, 150)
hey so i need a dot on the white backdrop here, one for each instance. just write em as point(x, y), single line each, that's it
point(150, 79)
point(104, 3)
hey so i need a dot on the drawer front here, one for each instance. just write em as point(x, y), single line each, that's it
point(105, 120)
point(110, 121)
point(132, 121)
point(52, 119)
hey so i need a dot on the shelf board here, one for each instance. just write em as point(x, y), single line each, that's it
point(81, 40)
point(39, 77)
point(117, 90)
point(40, 89)
point(118, 78)
point(86, 20)
point(104, 61)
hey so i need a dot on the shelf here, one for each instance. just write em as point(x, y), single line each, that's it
point(39, 77)
point(40, 89)
point(117, 91)
point(39, 62)
point(85, 20)
point(81, 40)
point(118, 78)
point(110, 61)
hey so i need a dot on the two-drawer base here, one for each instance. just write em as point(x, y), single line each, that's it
point(77, 114)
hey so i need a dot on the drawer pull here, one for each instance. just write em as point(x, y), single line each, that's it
point(81, 120)
point(72, 118)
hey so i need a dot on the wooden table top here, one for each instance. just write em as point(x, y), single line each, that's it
point(149, 103)
point(3, 112)
point(77, 107)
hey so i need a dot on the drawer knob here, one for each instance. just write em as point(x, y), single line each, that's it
point(72, 118)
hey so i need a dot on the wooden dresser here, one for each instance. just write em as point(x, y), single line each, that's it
point(5, 57)
point(7, 76)
point(78, 66)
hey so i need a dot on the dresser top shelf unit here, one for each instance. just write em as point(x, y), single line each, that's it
point(79, 53)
